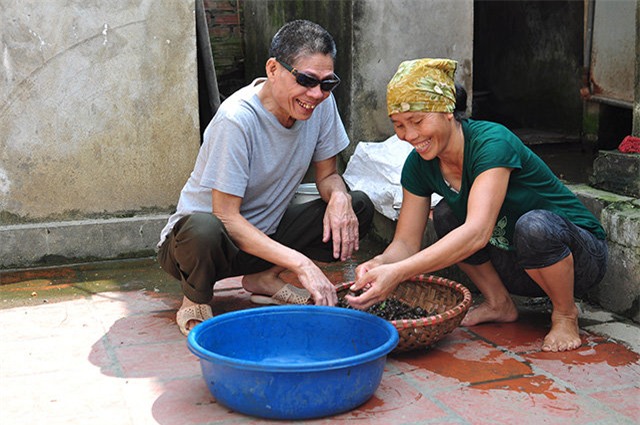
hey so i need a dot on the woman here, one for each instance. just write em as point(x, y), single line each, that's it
point(505, 219)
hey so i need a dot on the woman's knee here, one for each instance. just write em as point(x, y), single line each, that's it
point(444, 220)
point(537, 229)
point(538, 239)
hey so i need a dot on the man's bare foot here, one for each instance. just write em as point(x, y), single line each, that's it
point(485, 312)
point(263, 283)
point(564, 334)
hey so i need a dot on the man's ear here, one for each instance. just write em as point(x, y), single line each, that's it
point(271, 67)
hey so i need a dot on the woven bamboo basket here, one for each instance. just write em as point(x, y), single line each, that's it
point(446, 302)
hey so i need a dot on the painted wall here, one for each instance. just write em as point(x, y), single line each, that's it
point(98, 108)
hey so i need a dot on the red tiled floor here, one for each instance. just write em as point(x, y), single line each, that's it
point(468, 363)
point(525, 335)
point(394, 400)
point(522, 336)
point(624, 401)
point(192, 399)
point(142, 329)
point(531, 384)
point(116, 357)
point(591, 368)
point(168, 360)
point(505, 406)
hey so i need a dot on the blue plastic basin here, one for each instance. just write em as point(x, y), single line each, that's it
point(293, 362)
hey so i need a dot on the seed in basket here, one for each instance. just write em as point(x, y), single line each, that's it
point(443, 304)
point(390, 309)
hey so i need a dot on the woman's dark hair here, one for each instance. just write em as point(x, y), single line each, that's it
point(460, 112)
point(301, 38)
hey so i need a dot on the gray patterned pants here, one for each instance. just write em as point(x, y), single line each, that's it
point(541, 239)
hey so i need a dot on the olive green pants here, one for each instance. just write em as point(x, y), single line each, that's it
point(199, 252)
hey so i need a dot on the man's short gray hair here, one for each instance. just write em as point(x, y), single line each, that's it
point(301, 38)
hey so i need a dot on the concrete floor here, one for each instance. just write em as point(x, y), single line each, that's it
point(97, 344)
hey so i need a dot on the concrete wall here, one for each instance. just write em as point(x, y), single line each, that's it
point(372, 37)
point(389, 32)
point(619, 290)
point(98, 113)
point(262, 18)
point(636, 104)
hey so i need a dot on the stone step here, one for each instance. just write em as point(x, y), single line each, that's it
point(617, 172)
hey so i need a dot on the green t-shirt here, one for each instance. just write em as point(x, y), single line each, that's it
point(532, 185)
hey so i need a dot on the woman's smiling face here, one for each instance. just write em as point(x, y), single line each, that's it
point(427, 132)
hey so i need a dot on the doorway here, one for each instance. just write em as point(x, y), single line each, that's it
point(528, 62)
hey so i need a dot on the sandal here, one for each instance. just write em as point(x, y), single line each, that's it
point(288, 294)
point(198, 312)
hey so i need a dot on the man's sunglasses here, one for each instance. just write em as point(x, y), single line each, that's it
point(306, 80)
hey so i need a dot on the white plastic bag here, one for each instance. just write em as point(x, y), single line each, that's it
point(375, 169)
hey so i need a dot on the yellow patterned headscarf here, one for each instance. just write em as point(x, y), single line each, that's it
point(423, 85)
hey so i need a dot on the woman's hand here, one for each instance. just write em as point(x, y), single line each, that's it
point(363, 268)
point(377, 284)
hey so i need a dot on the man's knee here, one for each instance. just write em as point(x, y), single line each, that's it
point(364, 210)
point(361, 201)
point(199, 231)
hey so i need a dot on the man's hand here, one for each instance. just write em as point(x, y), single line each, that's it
point(341, 225)
point(315, 281)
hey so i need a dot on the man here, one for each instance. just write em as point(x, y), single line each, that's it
point(234, 215)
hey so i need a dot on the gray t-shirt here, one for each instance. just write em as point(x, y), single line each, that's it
point(247, 153)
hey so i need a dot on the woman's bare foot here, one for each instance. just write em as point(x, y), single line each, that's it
point(264, 283)
point(564, 334)
point(504, 311)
